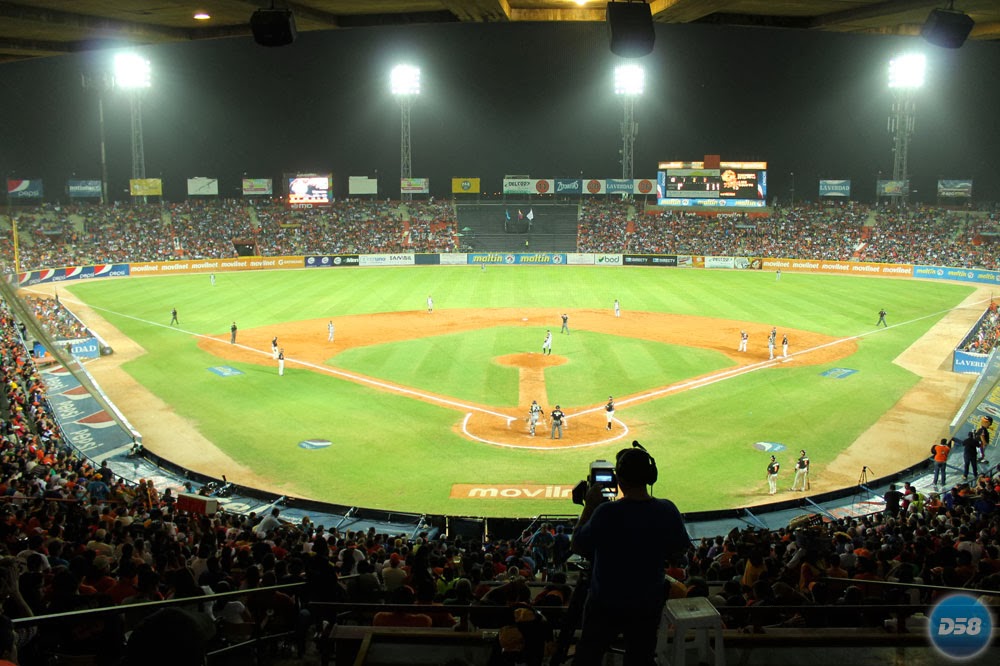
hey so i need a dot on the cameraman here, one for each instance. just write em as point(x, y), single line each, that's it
point(628, 541)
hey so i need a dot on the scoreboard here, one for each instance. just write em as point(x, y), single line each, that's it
point(733, 184)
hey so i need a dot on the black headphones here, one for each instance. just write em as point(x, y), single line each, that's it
point(639, 465)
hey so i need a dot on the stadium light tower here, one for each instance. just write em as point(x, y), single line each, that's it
point(405, 84)
point(906, 75)
point(630, 80)
point(132, 74)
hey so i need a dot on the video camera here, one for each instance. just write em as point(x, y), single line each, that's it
point(602, 473)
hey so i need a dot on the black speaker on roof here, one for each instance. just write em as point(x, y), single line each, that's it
point(273, 27)
point(947, 28)
point(630, 28)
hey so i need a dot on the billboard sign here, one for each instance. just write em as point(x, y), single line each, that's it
point(893, 188)
point(24, 189)
point(415, 185)
point(254, 186)
point(84, 189)
point(955, 188)
point(200, 186)
point(309, 190)
point(568, 186)
point(145, 187)
point(465, 186)
point(362, 185)
point(835, 188)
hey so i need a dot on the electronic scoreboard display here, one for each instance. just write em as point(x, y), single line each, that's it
point(309, 191)
point(733, 184)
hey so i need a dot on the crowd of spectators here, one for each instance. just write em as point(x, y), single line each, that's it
point(75, 235)
point(983, 338)
point(58, 322)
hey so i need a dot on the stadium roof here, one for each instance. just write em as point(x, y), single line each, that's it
point(38, 28)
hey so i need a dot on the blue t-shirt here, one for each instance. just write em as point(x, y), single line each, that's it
point(629, 542)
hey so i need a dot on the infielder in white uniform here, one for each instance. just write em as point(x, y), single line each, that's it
point(281, 362)
point(329, 331)
point(744, 338)
point(609, 410)
point(618, 309)
point(547, 345)
point(784, 346)
point(430, 304)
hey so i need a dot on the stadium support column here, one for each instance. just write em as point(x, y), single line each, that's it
point(138, 152)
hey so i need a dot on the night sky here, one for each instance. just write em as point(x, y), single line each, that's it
point(533, 99)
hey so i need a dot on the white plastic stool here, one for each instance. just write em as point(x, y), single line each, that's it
point(699, 614)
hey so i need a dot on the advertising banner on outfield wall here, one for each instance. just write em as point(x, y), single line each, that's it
point(578, 259)
point(595, 186)
point(257, 186)
point(431, 259)
point(690, 261)
point(214, 265)
point(71, 273)
point(960, 274)
point(669, 260)
point(528, 259)
point(405, 259)
point(842, 267)
point(465, 186)
point(567, 186)
point(608, 259)
point(720, 262)
point(455, 259)
point(332, 261)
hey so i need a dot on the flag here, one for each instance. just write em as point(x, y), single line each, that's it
point(531, 214)
point(520, 215)
point(507, 213)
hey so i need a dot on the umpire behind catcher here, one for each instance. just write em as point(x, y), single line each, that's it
point(628, 541)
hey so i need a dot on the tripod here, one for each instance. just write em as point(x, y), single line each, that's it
point(863, 484)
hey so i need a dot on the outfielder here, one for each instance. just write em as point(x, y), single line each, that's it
point(547, 344)
point(534, 413)
point(173, 317)
point(881, 318)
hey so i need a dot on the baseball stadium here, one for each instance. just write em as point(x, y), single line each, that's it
point(439, 325)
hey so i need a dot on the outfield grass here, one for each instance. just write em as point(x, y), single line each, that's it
point(396, 453)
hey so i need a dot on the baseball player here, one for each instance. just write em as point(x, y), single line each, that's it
point(274, 347)
point(784, 346)
point(609, 410)
point(744, 338)
point(565, 324)
point(281, 362)
point(801, 481)
point(881, 318)
point(618, 309)
point(430, 304)
point(534, 413)
point(329, 331)
point(547, 344)
point(770, 344)
point(173, 317)
point(211, 277)
point(772, 475)
point(232, 334)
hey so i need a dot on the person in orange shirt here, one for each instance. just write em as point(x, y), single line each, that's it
point(940, 454)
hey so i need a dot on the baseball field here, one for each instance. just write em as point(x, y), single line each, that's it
point(425, 412)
